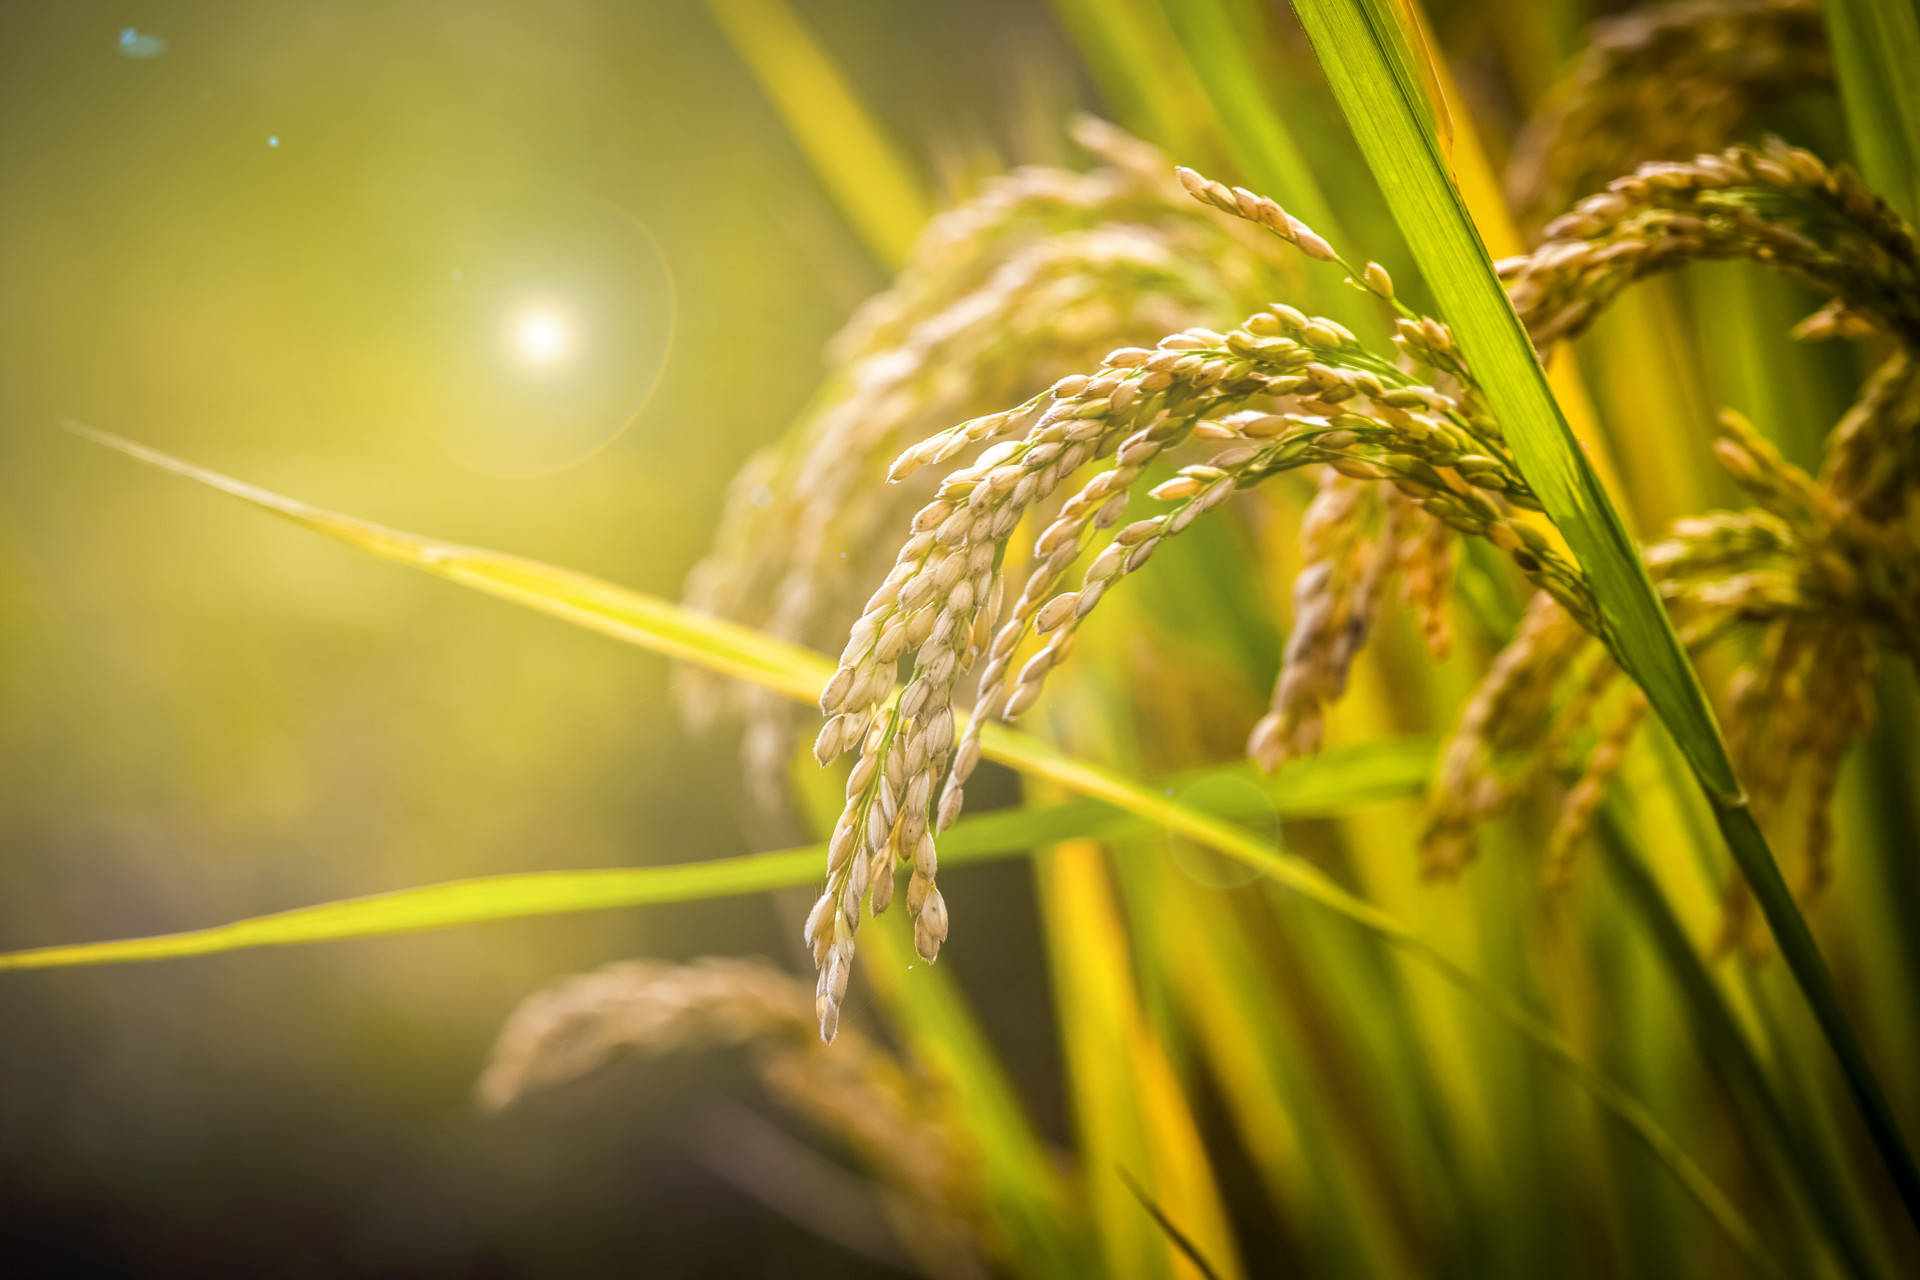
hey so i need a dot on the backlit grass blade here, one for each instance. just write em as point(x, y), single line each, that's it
point(1129, 1111)
point(664, 627)
point(1362, 49)
point(1345, 778)
point(1133, 54)
point(516, 896)
point(647, 621)
point(1261, 144)
point(864, 172)
point(1876, 50)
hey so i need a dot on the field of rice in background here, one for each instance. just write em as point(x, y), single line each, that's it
point(544, 280)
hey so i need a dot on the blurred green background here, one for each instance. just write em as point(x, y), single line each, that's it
point(299, 245)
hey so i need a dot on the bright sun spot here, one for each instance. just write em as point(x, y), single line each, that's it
point(541, 337)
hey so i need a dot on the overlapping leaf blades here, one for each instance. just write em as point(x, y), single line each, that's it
point(1373, 69)
point(667, 628)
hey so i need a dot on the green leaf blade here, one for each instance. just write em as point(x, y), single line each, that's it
point(439, 906)
point(1361, 49)
point(1363, 53)
point(1876, 49)
point(1311, 787)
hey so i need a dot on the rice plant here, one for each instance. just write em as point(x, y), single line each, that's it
point(1470, 825)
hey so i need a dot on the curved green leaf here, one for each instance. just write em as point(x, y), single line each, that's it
point(1366, 57)
point(1337, 781)
point(1362, 49)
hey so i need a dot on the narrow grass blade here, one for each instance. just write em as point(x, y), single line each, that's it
point(1262, 1052)
point(1743, 836)
point(647, 621)
point(1876, 49)
point(667, 628)
point(438, 906)
point(1403, 38)
point(863, 170)
point(1356, 42)
point(1480, 190)
point(1354, 776)
point(1310, 884)
point(1181, 1241)
point(1283, 1055)
point(1129, 1111)
point(1137, 61)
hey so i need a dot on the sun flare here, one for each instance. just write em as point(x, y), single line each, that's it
point(542, 337)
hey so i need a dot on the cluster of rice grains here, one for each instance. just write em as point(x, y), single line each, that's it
point(1779, 206)
point(1036, 276)
point(1821, 574)
point(1281, 391)
point(1008, 289)
point(1809, 585)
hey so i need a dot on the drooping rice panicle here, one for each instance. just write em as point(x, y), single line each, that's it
point(1426, 567)
point(1872, 463)
point(1819, 586)
point(1057, 300)
point(1141, 403)
point(1510, 710)
point(1333, 600)
point(1779, 205)
point(1411, 459)
point(944, 583)
point(1582, 801)
point(1038, 275)
point(1837, 710)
